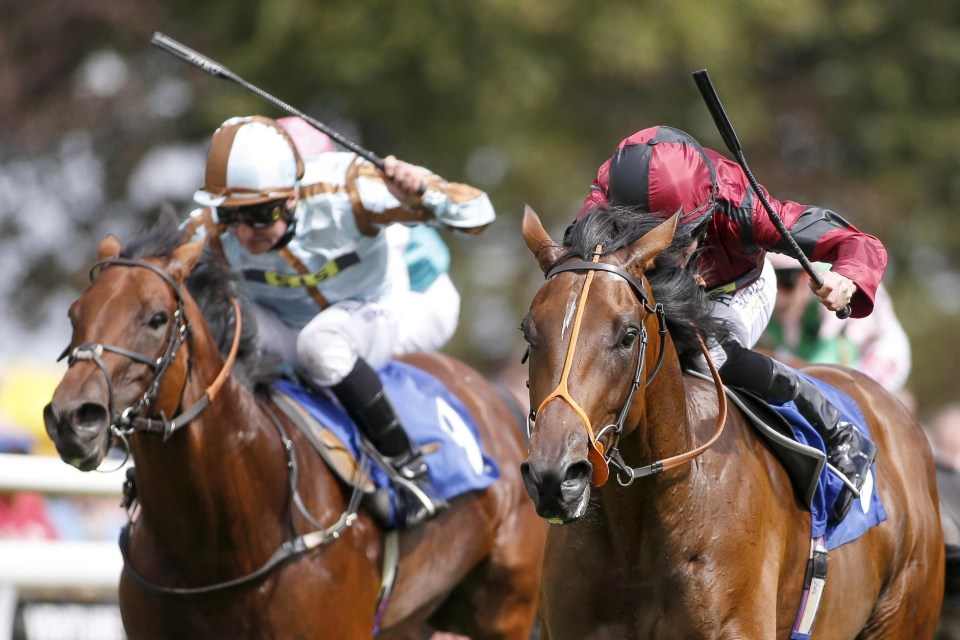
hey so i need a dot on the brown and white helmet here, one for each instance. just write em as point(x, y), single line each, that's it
point(251, 160)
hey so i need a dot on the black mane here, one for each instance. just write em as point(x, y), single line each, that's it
point(212, 283)
point(683, 299)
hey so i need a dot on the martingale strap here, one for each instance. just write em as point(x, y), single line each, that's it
point(289, 549)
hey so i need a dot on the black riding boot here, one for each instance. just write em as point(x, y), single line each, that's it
point(362, 394)
point(849, 451)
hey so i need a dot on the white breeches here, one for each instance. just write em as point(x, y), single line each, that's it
point(746, 312)
point(328, 346)
point(428, 319)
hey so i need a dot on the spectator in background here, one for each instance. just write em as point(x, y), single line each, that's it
point(803, 331)
point(944, 433)
point(23, 514)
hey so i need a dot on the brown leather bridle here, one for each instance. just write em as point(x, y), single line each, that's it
point(600, 459)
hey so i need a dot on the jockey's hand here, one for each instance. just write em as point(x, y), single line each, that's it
point(836, 292)
point(403, 180)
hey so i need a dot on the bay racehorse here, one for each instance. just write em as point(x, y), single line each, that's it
point(222, 544)
point(708, 539)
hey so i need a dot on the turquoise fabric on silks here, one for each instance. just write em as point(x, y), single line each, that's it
point(427, 257)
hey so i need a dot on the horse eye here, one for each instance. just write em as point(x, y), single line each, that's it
point(629, 338)
point(158, 320)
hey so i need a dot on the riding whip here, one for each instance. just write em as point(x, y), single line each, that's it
point(218, 70)
point(709, 93)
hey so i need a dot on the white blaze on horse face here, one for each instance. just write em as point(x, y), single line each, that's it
point(570, 314)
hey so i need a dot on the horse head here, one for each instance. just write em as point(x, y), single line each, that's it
point(595, 336)
point(124, 356)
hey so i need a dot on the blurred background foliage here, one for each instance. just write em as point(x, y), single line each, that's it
point(852, 106)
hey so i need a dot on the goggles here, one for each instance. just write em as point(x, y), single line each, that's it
point(257, 216)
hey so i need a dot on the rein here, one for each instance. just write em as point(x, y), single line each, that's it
point(601, 460)
point(289, 550)
point(632, 473)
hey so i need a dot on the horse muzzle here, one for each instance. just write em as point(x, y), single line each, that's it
point(560, 493)
point(80, 433)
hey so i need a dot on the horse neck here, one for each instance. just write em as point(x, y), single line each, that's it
point(661, 429)
point(226, 463)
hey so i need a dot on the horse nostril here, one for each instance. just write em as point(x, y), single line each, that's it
point(531, 479)
point(50, 418)
point(576, 476)
point(89, 415)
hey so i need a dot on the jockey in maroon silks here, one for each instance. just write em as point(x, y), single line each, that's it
point(662, 169)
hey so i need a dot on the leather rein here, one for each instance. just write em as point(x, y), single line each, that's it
point(600, 459)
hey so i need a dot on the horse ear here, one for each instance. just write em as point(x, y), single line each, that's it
point(647, 248)
point(109, 248)
point(183, 259)
point(537, 239)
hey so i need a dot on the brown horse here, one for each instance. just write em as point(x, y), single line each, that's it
point(217, 483)
point(715, 546)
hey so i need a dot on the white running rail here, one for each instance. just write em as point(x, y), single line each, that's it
point(55, 564)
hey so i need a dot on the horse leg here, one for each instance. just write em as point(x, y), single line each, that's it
point(892, 618)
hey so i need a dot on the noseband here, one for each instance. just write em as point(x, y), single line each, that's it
point(130, 420)
point(601, 460)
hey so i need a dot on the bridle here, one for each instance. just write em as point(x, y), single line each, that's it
point(131, 419)
point(600, 459)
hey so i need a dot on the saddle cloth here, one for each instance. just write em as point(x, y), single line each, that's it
point(802, 452)
point(433, 418)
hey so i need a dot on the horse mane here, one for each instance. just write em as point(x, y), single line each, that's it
point(684, 300)
point(213, 284)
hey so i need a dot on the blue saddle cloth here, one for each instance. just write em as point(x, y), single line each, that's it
point(865, 512)
point(430, 415)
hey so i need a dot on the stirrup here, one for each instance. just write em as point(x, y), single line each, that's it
point(417, 500)
point(853, 460)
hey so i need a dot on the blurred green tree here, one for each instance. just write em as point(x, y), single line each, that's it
point(852, 106)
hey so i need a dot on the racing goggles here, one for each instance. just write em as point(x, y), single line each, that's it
point(257, 216)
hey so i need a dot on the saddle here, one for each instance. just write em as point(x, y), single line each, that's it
point(801, 452)
point(447, 435)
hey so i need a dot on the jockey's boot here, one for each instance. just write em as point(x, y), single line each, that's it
point(362, 394)
point(849, 451)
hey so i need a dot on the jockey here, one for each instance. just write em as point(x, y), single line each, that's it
point(662, 169)
point(430, 315)
point(329, 283)
point(876, 345)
